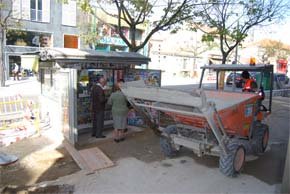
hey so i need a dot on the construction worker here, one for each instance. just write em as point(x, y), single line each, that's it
point(250, 84)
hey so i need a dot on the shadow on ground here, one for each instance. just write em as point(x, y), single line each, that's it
point(36, 165)
point(145, 146)
point(268, 167)
point(142, 145)
point(56, 189)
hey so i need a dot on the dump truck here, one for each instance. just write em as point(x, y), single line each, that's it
point(226, 123)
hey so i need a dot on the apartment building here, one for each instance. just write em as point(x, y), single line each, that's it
point(179, 55)
point(43, 23)
point(108, 36)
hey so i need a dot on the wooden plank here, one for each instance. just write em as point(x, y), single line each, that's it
point(91, 159)
point(75, 155)
point(95, 159)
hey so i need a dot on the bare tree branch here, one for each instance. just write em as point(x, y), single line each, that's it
point(227, 14)
point(105, 11)
point(126, 12)
point(120, 26)
point(138, 12)
point(143, 11)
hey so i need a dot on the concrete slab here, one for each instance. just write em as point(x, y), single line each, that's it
point(180, 175)
point(189, 174)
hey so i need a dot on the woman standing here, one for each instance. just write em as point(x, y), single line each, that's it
point(119, 112)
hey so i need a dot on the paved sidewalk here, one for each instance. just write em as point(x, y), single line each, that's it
point(188, 174)
point(27, 87)
point(180, 175)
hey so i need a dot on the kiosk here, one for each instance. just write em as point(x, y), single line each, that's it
point(66, 76)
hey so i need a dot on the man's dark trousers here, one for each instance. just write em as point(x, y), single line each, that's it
point(98, 123)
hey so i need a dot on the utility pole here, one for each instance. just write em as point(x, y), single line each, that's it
point(236, 60)
point(236, 51)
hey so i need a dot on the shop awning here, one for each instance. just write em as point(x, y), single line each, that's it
point(73, 56)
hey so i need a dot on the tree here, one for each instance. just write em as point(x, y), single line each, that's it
point(6, 22)
point(132, 13)
point(231, 20)
point(88, 33)
point(273, 48)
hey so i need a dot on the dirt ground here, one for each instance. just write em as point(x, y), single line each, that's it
point(145, 146)
point(37, 162)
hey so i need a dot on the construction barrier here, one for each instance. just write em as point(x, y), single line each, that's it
point(19, 118)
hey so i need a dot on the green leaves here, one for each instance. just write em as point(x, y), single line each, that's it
point(85, 5)
point(141, 5)
point(272, 48)
point(207, 38)
point(63, 1)
point(159, 15)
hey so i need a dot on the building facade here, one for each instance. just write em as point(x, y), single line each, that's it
point(43, 23)
point(179, 55)
point(108, 39)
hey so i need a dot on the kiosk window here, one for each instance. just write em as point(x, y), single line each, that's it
point(49, 86)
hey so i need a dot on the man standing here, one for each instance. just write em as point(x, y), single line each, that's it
point(98, 108)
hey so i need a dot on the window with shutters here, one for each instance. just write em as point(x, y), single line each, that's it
point(70, 41)
point(33, 10)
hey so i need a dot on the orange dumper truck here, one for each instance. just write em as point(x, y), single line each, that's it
point(225, 123)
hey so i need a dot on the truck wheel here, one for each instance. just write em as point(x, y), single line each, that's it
point(165, 142)
point(170, 129)
point(261, 138)
point(167, 147)
point(231, 164)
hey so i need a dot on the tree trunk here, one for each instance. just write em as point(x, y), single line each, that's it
point(222, 73)
point(2, 58)
point(133, 38)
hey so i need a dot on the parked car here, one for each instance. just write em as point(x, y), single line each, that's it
point(238, 81)
point(281, 77)
point(280, 80)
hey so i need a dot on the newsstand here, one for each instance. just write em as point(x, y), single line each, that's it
point(66, 76)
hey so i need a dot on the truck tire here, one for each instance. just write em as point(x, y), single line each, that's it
point(231, 164)
point(170, 129)
point(165, 142)
point(261, 138)
point(167, 147)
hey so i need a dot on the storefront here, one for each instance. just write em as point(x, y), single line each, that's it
point(66, 76)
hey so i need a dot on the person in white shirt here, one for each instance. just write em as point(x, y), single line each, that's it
point(16, 71)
